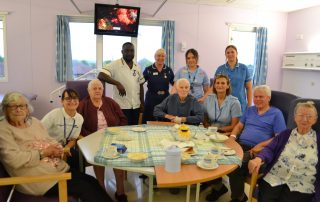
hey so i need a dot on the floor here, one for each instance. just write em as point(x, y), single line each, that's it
point(137, 190)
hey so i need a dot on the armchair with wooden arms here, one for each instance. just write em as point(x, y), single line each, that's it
point(7, 192)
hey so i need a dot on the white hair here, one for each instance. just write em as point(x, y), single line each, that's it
point(264, 88)
point(182, 80)
point(160, 51)
point(93, 81)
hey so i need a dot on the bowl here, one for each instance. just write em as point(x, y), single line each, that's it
point(182, 135)
point(218, 137)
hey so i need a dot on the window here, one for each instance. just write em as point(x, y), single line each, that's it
point(90, 51)
point(3, 63)
point(149, 40)
point(244, 38)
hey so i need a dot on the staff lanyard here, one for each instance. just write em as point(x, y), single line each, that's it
point(216, 118)
point(195, 75)
point(65, 129)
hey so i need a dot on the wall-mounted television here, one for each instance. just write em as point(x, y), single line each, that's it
point(116, 20)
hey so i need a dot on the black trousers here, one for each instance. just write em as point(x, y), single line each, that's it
point(281, 193)
point(132, 115)
point(84, 186)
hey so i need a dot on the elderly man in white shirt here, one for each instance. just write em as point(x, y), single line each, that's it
point(128, 81)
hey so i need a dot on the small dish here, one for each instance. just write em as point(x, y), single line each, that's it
point(229, 152)
point(138, 129)
point(200, 165)
point(218, 138)
point(137, 156)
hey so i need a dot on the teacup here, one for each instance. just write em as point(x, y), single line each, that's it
point(111, 151)
point(209, 160)
point(216, 151)
point(212, 129)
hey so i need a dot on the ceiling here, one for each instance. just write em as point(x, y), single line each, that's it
point(151, 7)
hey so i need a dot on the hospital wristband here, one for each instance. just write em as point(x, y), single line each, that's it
point(234, 136)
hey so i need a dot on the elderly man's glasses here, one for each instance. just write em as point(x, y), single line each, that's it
point(302, 116)
point(15, 107)
point(69, 99)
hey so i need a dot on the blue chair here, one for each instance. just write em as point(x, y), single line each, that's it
point(282, 101)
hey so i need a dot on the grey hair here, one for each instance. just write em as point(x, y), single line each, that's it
point(265, 88)
point(182, 80)
point(94, 81)
point(14, 97)
point(307, 104)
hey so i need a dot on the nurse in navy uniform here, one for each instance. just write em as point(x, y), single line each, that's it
point(159, 76)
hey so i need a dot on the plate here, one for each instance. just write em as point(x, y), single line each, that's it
point(218, 138)
point(111, 157)
point(114, 130)
point(200, 165)
point(138, 129)
point(229, 152)
point(137, 156)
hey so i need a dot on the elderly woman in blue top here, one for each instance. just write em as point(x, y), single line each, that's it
point(222, 109)
point(292, 161)
point(197, 77)
point(180, 107)
point(239, 75)
point(159, 76)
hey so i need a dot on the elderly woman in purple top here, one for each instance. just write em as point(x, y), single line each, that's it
point(292, 165)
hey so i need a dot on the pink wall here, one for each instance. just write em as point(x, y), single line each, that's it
point(305, 22)
point(31, 40)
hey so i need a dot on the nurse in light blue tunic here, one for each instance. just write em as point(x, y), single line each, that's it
point(241, 80)
point(197, 77)
point(222, 109)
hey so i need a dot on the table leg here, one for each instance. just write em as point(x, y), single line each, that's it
point(150, 188)
point(188, 193)
point(197, 192)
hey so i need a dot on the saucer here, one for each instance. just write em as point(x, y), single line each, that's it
point(229, 152)
point(115, 156)
point(200, 165)
point(138, 129)
point(218, 138)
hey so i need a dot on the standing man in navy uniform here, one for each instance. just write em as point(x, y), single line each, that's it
point(128, 81)
point(159, 76)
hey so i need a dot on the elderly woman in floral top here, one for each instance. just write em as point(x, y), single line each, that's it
point(292, 165)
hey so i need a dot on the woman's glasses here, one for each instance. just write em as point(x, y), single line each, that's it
point(69, 99)
point(15, 107)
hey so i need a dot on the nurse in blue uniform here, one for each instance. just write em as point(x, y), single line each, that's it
point(159, 76)
point(241, 80)
point(197, 77)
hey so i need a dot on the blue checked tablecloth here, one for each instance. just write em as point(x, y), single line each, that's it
point(149, 142)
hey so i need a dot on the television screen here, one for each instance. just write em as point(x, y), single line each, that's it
point(116, 20)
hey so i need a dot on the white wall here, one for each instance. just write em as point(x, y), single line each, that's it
point(31, 40)
point(304, 83)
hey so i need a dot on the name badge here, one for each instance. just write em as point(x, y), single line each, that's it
point(155, 73)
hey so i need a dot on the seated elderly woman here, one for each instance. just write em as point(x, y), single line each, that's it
point(221, 109)
point(64, 124)
point(100, 112)
point(26, 149)
point(181, 107)
point(292, 161)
